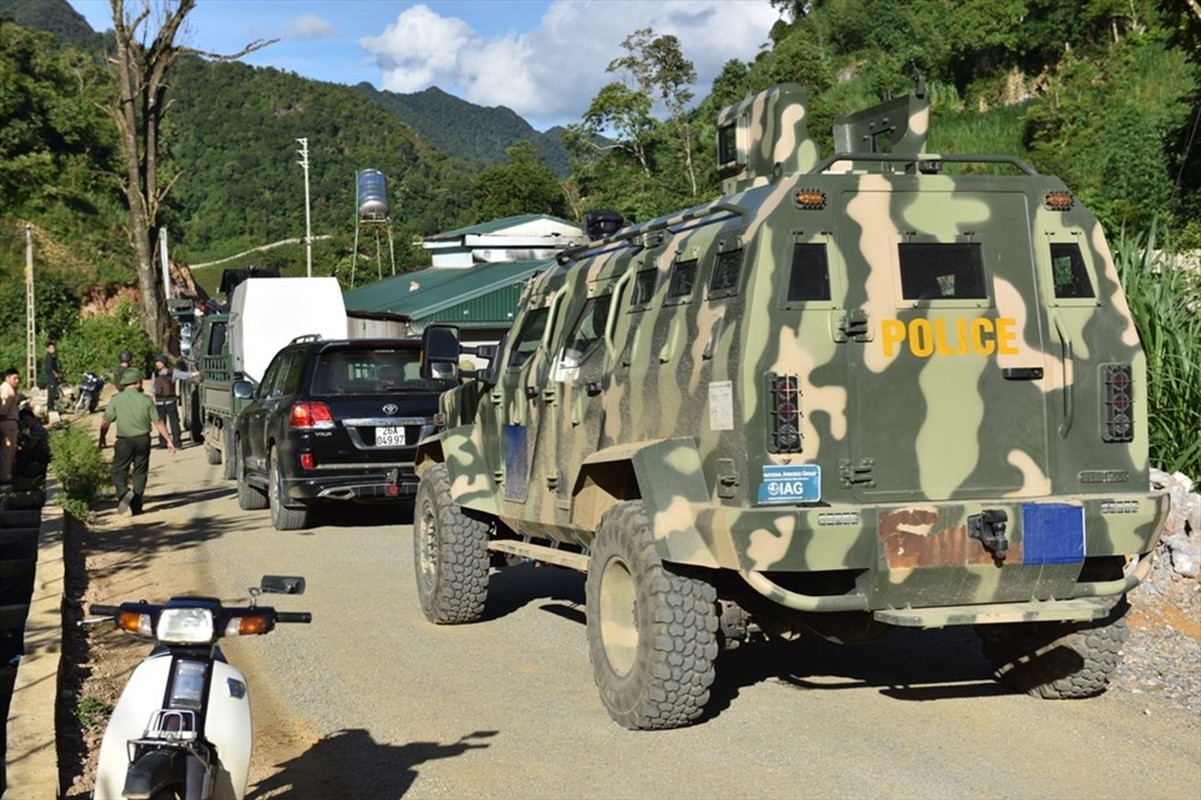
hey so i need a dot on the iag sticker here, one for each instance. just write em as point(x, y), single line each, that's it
point(791, 483)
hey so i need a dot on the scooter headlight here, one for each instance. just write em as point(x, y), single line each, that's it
point(185, 626)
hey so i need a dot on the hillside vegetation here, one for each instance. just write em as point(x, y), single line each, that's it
point(1104, 94)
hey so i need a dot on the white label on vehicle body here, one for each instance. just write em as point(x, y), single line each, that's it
point(721, 406)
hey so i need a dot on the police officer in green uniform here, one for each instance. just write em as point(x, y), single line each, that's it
point(135, 415)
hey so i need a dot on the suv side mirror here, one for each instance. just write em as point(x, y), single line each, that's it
point(440, 352)
point(243, 390)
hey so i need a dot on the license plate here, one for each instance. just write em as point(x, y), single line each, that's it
point(389, 437)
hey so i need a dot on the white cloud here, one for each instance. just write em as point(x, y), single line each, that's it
point(550, 74)
point(419, 50)
point(308, 27)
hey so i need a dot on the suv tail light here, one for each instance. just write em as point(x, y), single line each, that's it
point(311, 415)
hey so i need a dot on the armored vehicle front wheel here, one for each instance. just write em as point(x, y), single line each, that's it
point(211, 454)
point(249, 498)
point(450, 553)
point(1057, 660)
point(652, 632)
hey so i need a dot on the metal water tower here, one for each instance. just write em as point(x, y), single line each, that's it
point(371, 213)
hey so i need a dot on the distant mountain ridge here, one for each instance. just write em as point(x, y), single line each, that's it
point(465, 130)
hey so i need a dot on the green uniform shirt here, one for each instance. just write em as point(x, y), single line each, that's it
point(133, 412)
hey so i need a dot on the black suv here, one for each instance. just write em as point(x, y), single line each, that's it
point(332, 420)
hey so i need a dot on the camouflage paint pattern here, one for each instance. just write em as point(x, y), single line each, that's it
point(919, 409)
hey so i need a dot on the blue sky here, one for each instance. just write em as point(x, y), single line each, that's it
point(545, 59)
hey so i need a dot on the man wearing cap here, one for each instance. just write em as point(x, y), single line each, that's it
point(166, 400)
point(135, 415)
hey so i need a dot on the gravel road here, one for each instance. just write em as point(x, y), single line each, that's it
point(370, 701)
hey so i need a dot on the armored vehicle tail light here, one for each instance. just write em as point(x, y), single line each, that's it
point(1118, 400)
point(311, 415)
point(784, 413)
point(810, 199)
point(1058, 201)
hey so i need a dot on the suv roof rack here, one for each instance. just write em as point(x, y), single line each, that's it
point(307, 337)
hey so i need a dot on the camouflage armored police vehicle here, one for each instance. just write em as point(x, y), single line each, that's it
point(882, 388)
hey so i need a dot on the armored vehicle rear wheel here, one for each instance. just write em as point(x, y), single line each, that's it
point(249, 498)
point(229, 468)
point(211, 454)
point(1057, 660)
point(450, 553)
point(282, 517)
point(652, 632)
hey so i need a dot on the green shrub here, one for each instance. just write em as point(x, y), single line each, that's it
point(1166, 303)
point(80, 468)
point(95, 344)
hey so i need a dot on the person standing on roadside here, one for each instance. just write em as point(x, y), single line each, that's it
point(166, 400)
point(126, 360)
point(10, 403)
point(51, 375)
point(135, 414)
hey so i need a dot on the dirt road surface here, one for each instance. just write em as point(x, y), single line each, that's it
point(370, 701)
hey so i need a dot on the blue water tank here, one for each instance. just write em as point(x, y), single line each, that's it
point(373, 194)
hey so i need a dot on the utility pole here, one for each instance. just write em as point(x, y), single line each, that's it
point(31, 375)
point(308, 229)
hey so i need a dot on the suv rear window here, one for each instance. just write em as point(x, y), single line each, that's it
point(375, 371)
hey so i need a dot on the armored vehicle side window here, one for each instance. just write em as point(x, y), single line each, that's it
point(588, 331)
point(1069, 272)
point(529, 337)
point(683, 277)
point(810, 276)
point(931, 271)
point(725, 271)
point(644, 287)
point(727, 145)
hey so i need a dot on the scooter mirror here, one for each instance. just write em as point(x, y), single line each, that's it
point(282, 584)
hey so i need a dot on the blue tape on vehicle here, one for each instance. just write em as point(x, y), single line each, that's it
point(1052, 533)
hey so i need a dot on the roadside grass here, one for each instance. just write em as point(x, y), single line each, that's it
point(1165, 300)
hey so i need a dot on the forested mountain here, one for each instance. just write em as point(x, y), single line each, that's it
point(1104, 94)
point(234, 144)
point(468, 131)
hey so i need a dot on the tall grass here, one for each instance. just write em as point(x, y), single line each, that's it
point(1166, 302)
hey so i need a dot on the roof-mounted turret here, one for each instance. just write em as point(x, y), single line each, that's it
point(764, 137)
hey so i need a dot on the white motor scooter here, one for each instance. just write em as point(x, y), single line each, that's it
point(182, 728)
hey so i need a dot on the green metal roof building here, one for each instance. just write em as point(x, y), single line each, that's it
point(482, 298)
point(478, 275)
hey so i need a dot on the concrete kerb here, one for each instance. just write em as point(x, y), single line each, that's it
point(31, 760)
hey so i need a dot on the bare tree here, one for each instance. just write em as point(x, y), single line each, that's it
point(140, 65)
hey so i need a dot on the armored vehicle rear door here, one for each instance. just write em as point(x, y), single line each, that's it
point(947, 388)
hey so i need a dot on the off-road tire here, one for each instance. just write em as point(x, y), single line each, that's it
point(282, 517)
point(249, 498)
point(450, 553)
point(652, 631)
point(1057, 660)
point(229, 469)
point(211, 454)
